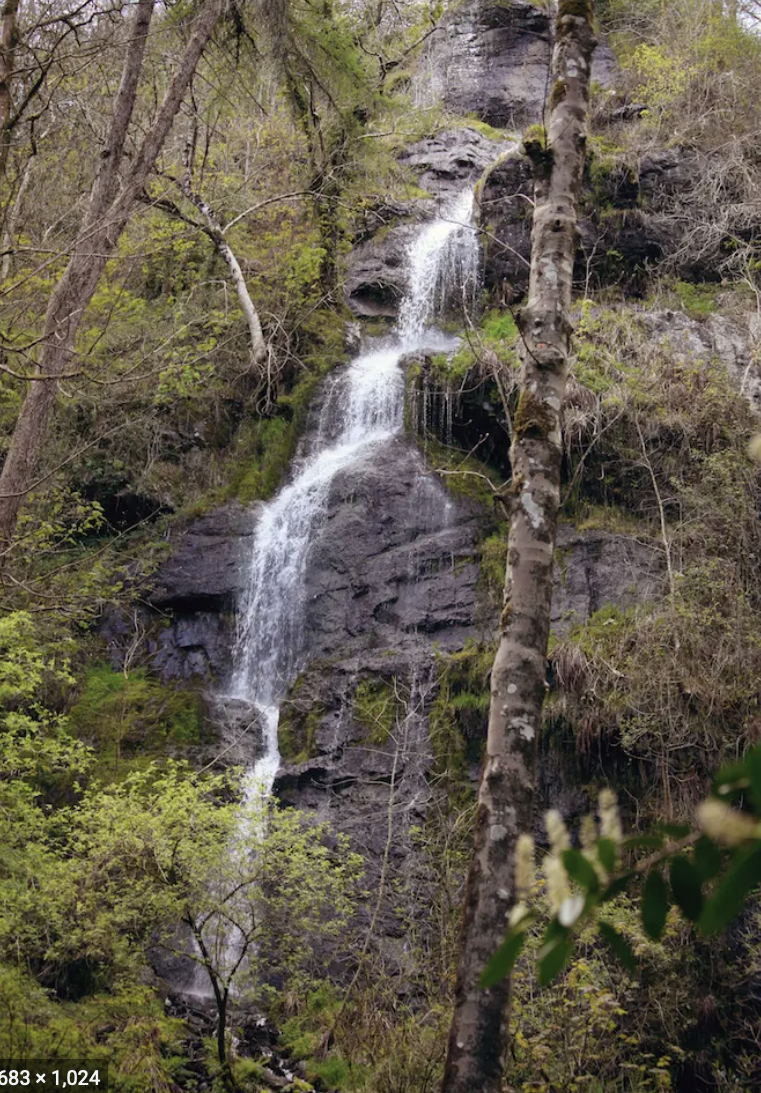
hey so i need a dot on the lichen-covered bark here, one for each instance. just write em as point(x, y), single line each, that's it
point(479, 1034)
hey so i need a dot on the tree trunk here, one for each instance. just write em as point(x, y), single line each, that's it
point(12, 219)
point(479, 1034)
point(96, 242)
point(8, 43)
point(215, 232)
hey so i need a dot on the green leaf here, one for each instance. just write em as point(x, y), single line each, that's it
point(753, 766)
point(501, 964)
point(619, 945)
point(734, 778)
point(580, 869)
point(616, 887)
point(554, 955)
point(686, 887)
point(675, 831)
point(644, 842)
point(607, 852)
point(706, 857)
point(655, 904)
point(742, 876)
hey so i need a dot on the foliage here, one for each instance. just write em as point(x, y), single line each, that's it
point(121, 714)
point(657, 444)
point(691, 64)
point(707, 871)
point(126, 1029)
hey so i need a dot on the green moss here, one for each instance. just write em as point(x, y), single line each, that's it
point(377, 708)
point(535, 135)
point(266, 448)
point(485, 129)
point(297, 730)
point(698, 301)
point(587, 516)
point(577, 9)
point(557, 94)
point(411, 192)
point(457, 720)
point(491, 575)
point(532, 417)
point(464, 476)
point(499, 326)
point(125, 717)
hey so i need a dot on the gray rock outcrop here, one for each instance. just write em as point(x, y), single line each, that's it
point(376, 274)
point(491, 60)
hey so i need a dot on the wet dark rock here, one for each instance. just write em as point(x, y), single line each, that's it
point(594, 569)
point(666, 171)
point(625, 229)
point(238, 730)
point(376, 275)
point(448, 161)
point(504, 214)
point(191, 645)
point(206, 568)
point(395, 562)
point(492, 61)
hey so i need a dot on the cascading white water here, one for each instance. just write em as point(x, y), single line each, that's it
point(364, 408)
point(443, 260)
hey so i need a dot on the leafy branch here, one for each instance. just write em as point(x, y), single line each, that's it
point(707, 871)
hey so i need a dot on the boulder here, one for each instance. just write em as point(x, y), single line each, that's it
point(452, 159)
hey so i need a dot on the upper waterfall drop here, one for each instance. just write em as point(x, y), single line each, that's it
point(443, 260)
point(364, 407)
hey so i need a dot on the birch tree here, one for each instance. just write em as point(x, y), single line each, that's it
point(479, 1037)
point(214, 229)
point(110, 205)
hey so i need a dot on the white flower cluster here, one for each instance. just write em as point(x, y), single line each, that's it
point(726, 825)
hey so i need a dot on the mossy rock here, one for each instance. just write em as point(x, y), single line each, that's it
point(297, 731)
point(459, 713)
point(135, 715)
point(377, 708)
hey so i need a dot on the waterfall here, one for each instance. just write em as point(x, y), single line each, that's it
point(363, 408)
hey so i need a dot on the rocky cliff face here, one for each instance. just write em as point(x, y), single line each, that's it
point(491, 60)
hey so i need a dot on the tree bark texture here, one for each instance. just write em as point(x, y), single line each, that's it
point(8, 43)
point(478, 1040)
point(106, 217)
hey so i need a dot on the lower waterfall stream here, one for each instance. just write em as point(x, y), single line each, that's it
point(362, 407)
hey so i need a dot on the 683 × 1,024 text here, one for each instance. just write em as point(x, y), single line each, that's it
point(53, 1074)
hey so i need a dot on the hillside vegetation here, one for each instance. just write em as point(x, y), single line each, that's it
point(115, 823)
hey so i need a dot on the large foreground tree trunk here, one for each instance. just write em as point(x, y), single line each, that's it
point(107, 215)
point(479, 1035)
